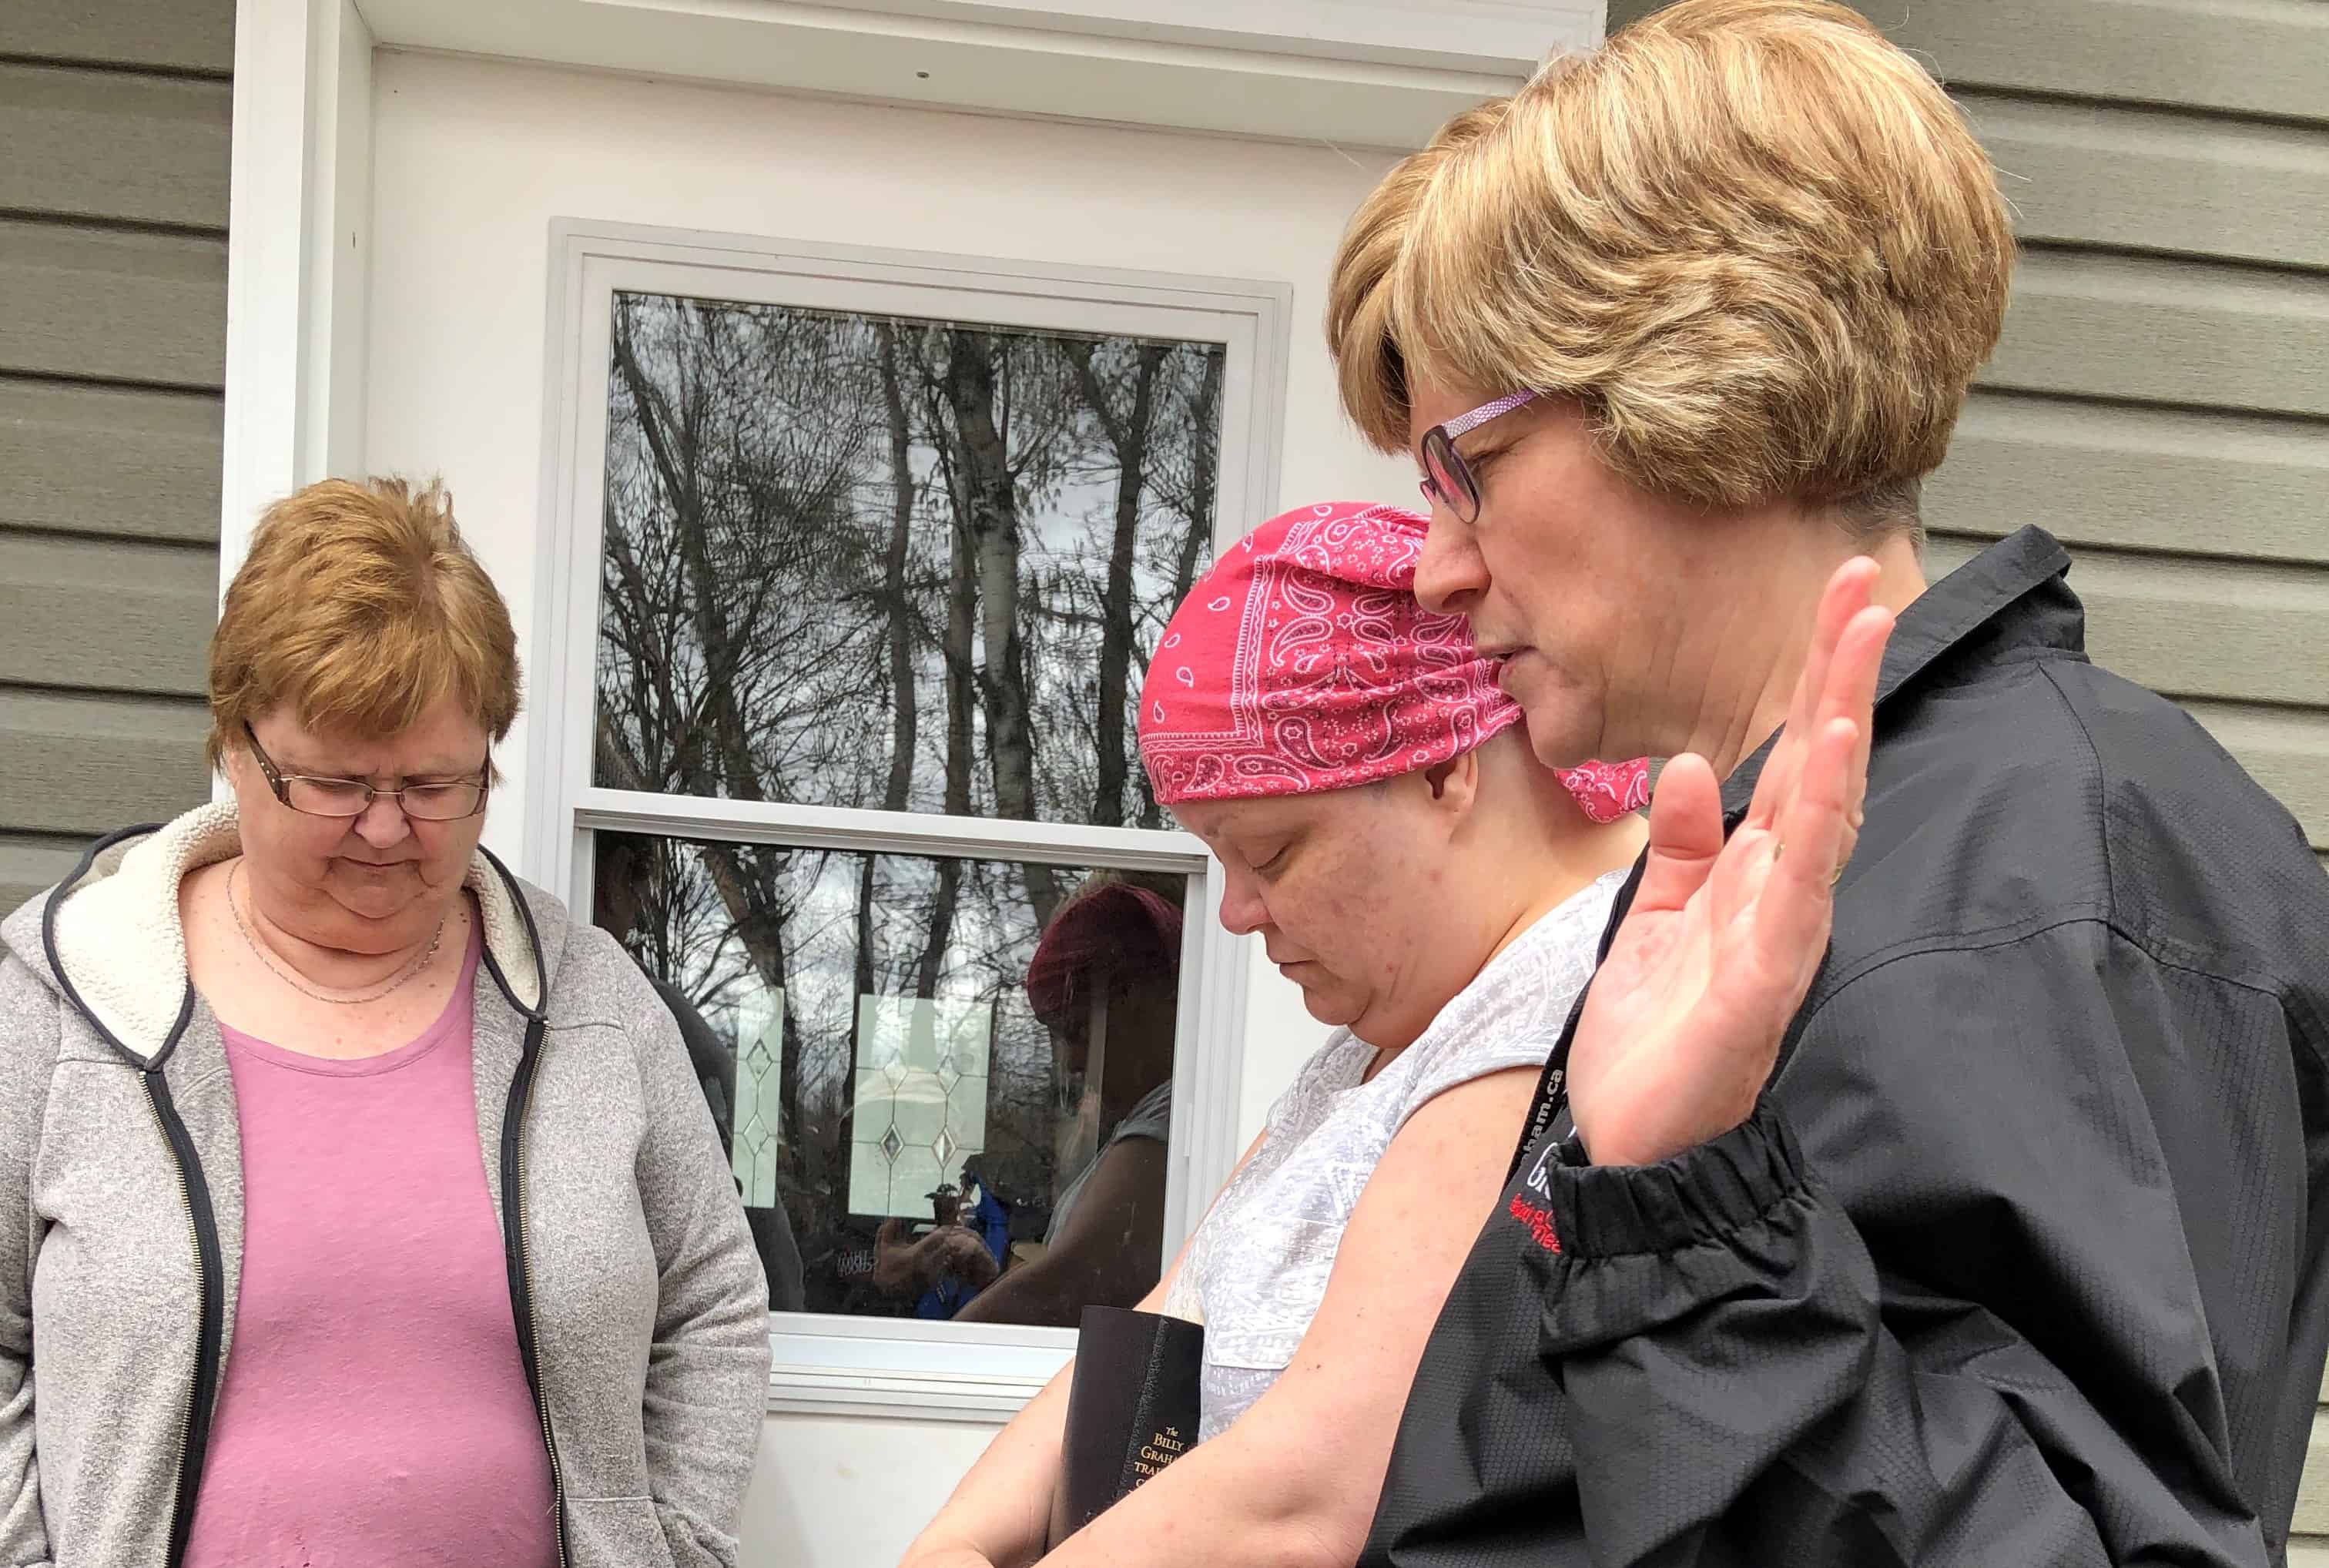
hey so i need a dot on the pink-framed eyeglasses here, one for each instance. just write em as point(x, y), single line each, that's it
point(1447, 478)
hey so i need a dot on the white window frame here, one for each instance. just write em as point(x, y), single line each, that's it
point(830, 1363)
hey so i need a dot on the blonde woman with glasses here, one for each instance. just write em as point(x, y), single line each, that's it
point(363, 1209)
point(1935, 1187)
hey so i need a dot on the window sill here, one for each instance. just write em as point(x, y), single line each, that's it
point(910, 1370)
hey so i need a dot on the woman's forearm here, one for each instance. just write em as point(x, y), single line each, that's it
point(1002, 1511)
point(1294, 1480)
point(1261, 1495)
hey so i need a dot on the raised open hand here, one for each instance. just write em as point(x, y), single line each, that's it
point(1684, 1019)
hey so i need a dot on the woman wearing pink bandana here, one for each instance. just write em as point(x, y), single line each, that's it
point(1437, 894)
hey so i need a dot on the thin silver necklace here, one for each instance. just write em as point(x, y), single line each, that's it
point(294, 981)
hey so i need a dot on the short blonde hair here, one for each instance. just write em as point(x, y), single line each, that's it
point(360, 608)
point(1359, 304)
point(1753, 240)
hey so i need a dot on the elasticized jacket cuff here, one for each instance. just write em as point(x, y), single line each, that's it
point(1699, 1194)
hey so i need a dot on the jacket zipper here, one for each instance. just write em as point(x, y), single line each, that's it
point(202, 1389)
point(521, 1271)
point(194, 1191)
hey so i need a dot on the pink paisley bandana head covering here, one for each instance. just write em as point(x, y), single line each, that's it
point(1302, 663)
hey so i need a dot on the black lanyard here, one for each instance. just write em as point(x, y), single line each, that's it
point(1552, 1086)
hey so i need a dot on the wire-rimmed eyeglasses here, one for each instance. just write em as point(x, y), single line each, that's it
point(431, 800)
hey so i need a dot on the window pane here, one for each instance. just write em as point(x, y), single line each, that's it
point(900, 564)
point(944, 1083)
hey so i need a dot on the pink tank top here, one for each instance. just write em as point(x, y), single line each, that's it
point(375, 1411)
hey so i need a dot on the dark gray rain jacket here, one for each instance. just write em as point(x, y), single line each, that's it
point(2019, 1265)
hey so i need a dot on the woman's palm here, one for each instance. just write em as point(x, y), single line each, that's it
point(1685, 1017)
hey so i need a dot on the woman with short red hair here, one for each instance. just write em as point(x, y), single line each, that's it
point(363, 1208)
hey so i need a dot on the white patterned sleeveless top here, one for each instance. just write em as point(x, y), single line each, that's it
point(1257, 1268)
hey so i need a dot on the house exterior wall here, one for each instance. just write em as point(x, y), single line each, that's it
point(2161, 398)
point(114, 116)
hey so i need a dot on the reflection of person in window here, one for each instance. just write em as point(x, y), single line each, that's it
point(1104, 979)
point(619, 873)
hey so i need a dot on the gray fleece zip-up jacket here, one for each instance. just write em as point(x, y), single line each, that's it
point(640, 1306)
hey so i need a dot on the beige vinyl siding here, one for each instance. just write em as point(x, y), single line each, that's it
point(180, 37)
point(2161, 398)
point(113, 199)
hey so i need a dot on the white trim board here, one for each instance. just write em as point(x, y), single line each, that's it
point(903, 1369)
point(299, 242)
point(1479, 35)
point(1360, 72)
point(299, 251)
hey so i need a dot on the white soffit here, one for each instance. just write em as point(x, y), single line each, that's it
point(1363, 73)
point(1497, 37)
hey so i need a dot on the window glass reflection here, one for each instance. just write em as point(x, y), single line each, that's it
point(945, 1085)
point(896, 564)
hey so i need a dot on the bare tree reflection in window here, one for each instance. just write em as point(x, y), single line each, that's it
point(892, 564)
point(801, 507)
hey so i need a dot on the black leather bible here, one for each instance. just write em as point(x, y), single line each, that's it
point(1132, 1409)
